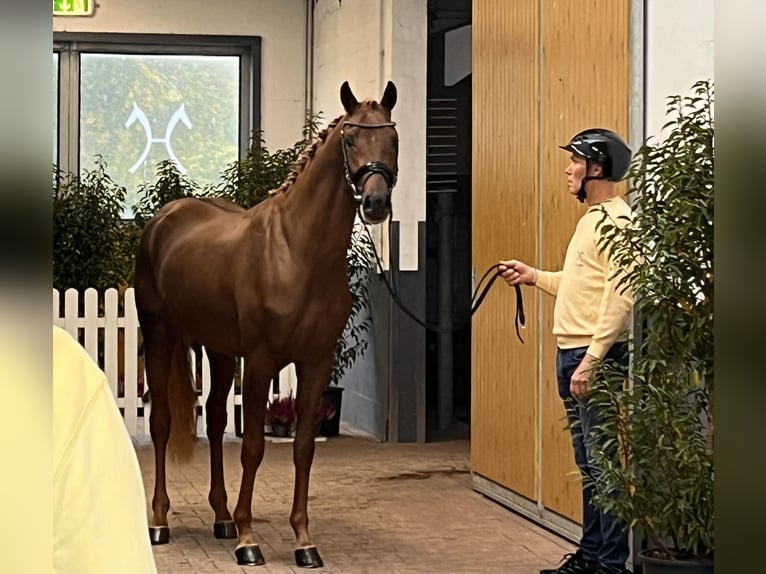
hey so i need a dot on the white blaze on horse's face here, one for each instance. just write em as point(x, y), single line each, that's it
point(371, 149)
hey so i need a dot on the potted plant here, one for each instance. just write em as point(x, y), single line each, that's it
point(661, 479)
point(88, 231)
point(353, 341)
point(325, 411)
point(280, 415)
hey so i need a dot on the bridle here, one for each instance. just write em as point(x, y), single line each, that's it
point(370, 168)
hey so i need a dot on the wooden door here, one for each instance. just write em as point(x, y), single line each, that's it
point(505, 208)
point(585, 74)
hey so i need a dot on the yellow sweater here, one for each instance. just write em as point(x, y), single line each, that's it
point(589, 310)
point(100, 523)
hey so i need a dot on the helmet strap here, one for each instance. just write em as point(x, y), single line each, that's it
point(581, 195)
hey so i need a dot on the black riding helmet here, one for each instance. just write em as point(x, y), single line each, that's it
point(604, 147)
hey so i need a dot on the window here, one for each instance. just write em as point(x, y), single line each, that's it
point(138, 100)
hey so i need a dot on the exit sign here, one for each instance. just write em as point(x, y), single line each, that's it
point(73, 7)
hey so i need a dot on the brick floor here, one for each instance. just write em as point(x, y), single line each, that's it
point(374, 508)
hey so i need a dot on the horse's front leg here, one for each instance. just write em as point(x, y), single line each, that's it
point(312, 379)
point(255, 388)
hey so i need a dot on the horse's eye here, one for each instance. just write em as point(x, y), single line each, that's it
point(350, 142)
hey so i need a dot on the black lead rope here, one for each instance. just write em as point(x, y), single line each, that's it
point(519, 318)
point(476, 299)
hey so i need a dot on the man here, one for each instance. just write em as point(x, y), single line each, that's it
point(99, 506)
point(590, 321)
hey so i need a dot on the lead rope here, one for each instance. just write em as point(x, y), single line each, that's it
point(476, 299)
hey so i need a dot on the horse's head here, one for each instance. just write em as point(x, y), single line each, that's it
point(370, 151)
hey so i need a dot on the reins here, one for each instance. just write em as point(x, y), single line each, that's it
point(353, 179)
point(477, 298)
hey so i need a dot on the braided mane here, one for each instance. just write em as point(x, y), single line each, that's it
point(304, 157)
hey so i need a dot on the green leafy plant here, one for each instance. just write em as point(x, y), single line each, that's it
point(170, 185)
point(249, 180)
point(88, 231)
point(661, 479)
point(353, 341)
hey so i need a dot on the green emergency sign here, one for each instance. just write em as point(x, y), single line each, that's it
point(73, 7)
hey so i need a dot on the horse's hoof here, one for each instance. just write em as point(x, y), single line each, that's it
point(159, 535)
point(308, 557)
point(225, 529)
point(249, 556)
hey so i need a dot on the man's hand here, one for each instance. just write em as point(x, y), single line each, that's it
point(515, 272)
point(580, 381)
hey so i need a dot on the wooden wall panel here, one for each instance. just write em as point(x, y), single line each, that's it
point(585, 83)
point(504, 419)
point(542, 70)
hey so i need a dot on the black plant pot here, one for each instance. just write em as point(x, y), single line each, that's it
point(280, 429)
point(334, 396)
point(238, 432)
point(652, 565)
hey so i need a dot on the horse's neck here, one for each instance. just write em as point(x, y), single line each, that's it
point(319, 206)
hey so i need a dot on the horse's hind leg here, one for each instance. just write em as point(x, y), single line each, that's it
point(312, 379)
point(222, 374)
point(158, 351)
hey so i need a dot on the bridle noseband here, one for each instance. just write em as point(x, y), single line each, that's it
point(371, 167)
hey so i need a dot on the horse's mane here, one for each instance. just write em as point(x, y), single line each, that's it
point(308, 152)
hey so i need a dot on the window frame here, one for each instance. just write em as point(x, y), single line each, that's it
point(70, 45)
point(57, 107)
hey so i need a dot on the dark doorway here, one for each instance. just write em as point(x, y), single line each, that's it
point(448, 219)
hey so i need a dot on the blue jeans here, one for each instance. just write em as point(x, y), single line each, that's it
point(604, 538)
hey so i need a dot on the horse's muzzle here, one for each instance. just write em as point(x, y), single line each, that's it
point(377, 207)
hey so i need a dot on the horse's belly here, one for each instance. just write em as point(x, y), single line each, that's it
point(206, 318)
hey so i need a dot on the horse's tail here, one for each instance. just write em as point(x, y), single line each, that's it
point(182, 398)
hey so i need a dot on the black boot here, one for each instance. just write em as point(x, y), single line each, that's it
point(573, 564)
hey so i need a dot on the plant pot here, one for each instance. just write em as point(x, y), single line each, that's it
point(331, 426)
point(238, 421)
point(280, 429)
point(653, 565)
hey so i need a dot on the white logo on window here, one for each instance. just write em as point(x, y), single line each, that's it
point(178, 116)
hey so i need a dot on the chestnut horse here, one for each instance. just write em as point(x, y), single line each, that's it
point(268, 284)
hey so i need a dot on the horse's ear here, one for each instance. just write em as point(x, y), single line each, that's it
point(347, 98)
point(388, 100)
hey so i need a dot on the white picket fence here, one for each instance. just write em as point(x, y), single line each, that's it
point(107, 336)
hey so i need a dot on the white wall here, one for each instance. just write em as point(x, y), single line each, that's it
point(679, 51)
point(347, 47)
point(281, 25)
point(368, 43)
point(408, 69)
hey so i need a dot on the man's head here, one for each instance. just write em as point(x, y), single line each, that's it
point(597, 154)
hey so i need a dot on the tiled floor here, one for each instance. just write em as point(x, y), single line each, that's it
point(374, 508)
